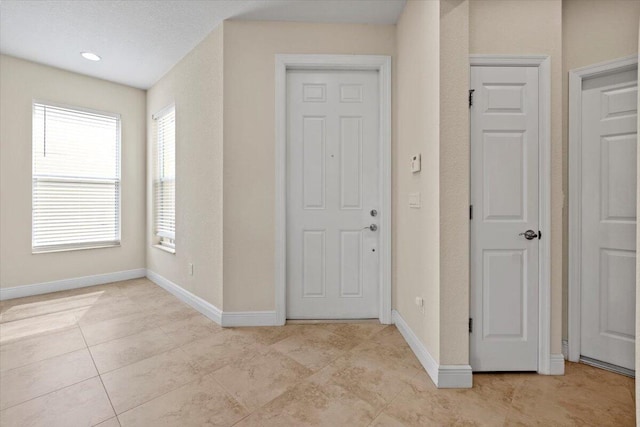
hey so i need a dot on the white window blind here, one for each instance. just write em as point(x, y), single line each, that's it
point(165, 182)
point(76, 178)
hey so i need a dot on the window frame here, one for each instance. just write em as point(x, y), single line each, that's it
point(75, 246)
point(164, 243)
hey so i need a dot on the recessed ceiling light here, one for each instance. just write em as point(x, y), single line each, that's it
point(90, 56)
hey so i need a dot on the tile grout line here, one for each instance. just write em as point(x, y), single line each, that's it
point(176, 346)
point(389, 403)
point(156, 397)
point(49, 392)
point(307, 377)
point(117, 338)
point(249, 412)
point(98, 374)
point(71, 309)
point(276, 397)
point(183, 385)
point(158, 325)
point(160, 395)
point(100, 377)
point(47, 358)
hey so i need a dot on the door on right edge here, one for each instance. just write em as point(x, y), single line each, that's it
point(608, 250)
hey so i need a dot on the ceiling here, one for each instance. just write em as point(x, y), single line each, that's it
point(140, 40)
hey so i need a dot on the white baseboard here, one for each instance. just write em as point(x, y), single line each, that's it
point(225, 319)
point(249, 318)
point(67, 284)
point(557, 364)
point(443, 376)
point(427, 361)
point(565, 349)
point(204, 307)
point(455, 376)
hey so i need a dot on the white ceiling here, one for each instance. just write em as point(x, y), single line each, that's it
point(140, 40)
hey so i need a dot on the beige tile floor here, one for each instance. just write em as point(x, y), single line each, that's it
point(131, 354)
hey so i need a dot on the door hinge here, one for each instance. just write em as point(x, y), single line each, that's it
point(470, 211)
point(470, 325)
point(471, 97)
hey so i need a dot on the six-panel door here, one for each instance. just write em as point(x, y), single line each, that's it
point(608, 235)
point(504, 195)
point(333, 184)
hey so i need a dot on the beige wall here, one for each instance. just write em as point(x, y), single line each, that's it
point(431, 117)
point(592, 31)
point(416, 232)
point(249, 144)
point(454, 182)
point(532, 27)
point(195, 86)
point(21, 82)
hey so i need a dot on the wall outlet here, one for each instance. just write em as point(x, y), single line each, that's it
point(190, 269)
point(420, 304)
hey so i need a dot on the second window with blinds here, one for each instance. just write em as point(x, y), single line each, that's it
point(164, 191)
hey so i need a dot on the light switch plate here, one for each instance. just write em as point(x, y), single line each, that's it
point(414, 200)
point(416, 163)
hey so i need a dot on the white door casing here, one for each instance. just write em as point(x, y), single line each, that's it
point(578, 78)
point(382, 66)
point(505, 200)
point(608, 234)
point(333, 165)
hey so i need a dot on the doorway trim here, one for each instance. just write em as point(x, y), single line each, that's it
point(576, 77)
point(548, 364)
point(381, 64)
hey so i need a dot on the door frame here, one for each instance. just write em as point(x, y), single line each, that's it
point(381, 64)
point(546, 365)
point(576, 77)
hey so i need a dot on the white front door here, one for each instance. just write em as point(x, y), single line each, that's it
point(504, 196)
point(333, 185)
point(608, 232)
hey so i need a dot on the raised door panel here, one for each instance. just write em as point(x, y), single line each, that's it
point(504, 168)
point(504, 294)
point(351, 162)
point(618, 175)
point(313, 168)
point(621, 101)
point(504, 98)
point(351, 263)
point(313, 264)
point(617, 296)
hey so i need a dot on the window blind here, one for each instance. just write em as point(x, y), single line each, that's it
point(165, 182)
point(76, 178)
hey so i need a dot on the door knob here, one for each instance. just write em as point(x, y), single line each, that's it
point(371, 227)
point(529, 234)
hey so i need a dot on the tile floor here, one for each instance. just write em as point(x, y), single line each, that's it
point(131, 354)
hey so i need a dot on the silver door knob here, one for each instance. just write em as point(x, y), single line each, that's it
point(529, 234)
point(371, 227)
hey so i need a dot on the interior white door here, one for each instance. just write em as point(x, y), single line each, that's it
point(608, 249)
point(333, 185)
point(504, 198)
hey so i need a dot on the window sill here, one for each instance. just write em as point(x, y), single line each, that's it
point(77, 248)
point(166, 249)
